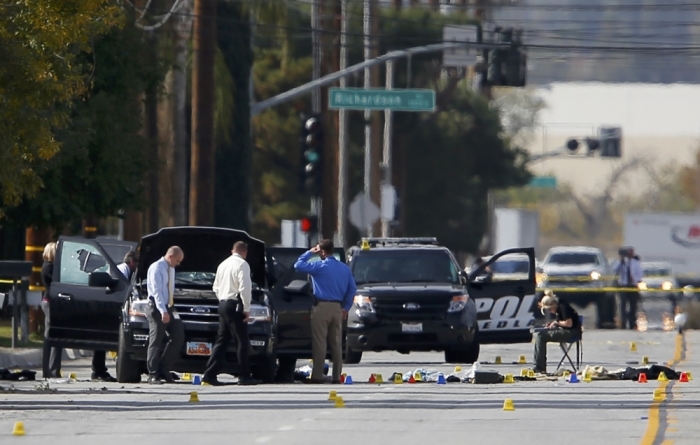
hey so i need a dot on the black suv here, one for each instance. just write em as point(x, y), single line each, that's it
point(413, 296)
point(94, 307)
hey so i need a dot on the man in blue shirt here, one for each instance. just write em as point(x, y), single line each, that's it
point(160, 281)
point(334, 288)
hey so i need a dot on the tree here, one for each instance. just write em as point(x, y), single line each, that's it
point(100, 167)
point(519, 110)
point(39, 80)
point(452, 164)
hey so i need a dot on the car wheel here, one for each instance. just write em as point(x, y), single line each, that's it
point(285, 370)
point(266, 370)
point(468, 355)
point(128, 369)
point(352, 357)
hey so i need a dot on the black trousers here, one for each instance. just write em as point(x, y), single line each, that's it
point(231, 324)
point(628, 308)
point(51, 356)
point(160, 359)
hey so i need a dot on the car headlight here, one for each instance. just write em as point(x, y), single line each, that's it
point(458, 303)
point(258, 313)
point(642, 286)
point(139, 307)
point(363, 303)
point(667, 285)
point(595, 275)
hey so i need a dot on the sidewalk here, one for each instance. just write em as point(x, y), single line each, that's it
point(31, 357)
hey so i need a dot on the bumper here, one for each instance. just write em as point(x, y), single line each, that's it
point(371, 334)
point(194, 360)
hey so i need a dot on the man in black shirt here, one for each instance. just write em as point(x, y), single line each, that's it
point(566, 326)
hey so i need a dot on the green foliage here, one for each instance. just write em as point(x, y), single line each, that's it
point(276, 165)
point(452, 163)
point(39, 77)
point(101, 165)
point(233, 154)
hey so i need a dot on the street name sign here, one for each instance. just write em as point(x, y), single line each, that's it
point(381, 99)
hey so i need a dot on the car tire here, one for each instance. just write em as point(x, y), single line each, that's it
point(468, 355)
point(266, 370)
point(352, 357)
point(128, 369)
point(285, 370)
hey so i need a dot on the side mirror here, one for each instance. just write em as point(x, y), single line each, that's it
point(101, 279)
point(302, 287)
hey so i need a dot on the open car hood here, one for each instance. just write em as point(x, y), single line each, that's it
point(204, 247)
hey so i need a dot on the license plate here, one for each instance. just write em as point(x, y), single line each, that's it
point(197, 348)
point(257, 343)
point(411, 327)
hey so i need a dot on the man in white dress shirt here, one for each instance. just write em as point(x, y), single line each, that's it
point(131, 262)
point(233, 287)
point(161, 290)
point(629, 274)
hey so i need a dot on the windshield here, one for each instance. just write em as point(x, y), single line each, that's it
point(573, 259)
point(511, 266)
point(201, 278)
point(657, 272)
point(405, 267)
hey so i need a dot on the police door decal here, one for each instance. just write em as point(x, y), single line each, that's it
point(505, 313)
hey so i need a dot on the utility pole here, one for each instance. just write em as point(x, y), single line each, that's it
point(202, 170)
point(316, 93)
point(386, 161)
point(367, 29)
point(342, 130)
point(376, 120)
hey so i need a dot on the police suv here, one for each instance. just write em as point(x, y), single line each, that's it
point(413, 296)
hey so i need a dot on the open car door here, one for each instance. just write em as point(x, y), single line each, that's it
point(293, 298)
point(505, 303)
point(86, 296)
point(116, 249)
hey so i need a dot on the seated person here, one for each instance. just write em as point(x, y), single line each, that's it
point(565, 327)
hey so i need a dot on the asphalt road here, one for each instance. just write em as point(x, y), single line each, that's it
point(600, 412)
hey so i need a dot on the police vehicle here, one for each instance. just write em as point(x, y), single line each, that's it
point(413, 296)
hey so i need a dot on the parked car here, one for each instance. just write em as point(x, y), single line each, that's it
point(94, 307)
point(413, 296)
point(582, 271)
point(658, 277)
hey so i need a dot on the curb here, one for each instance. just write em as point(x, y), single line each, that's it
point(31, 358)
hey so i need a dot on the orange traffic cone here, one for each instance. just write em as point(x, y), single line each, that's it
point(642, 378)
point(684, 377)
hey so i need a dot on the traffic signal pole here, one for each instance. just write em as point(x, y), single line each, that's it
point(316, 201)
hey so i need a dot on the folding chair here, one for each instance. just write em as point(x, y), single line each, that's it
point(566, 348)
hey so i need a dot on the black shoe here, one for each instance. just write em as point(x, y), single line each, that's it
point(167, 377)
point(212, 382)
point(311, 381)
point(248, 381)
point(103, 377)
point(539, 371)
point(154, 380)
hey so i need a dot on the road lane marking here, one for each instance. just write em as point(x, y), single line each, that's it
point(658, 422)
point(286, 428)
point(262, 439)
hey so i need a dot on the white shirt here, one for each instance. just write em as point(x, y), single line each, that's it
point(232, 279)
point(124, 269)
point(629, 268)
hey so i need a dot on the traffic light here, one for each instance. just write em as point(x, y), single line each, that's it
point(572, 145)
point(309, 224)
point(610, 142)
point(312, 154)
point(507, 66)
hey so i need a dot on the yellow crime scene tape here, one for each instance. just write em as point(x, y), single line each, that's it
point(617, 289)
